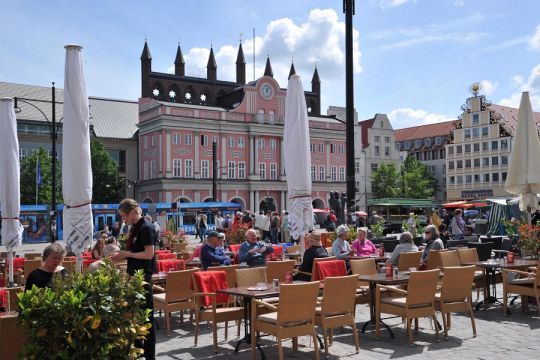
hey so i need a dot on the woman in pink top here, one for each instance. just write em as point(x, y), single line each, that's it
point(362, 246)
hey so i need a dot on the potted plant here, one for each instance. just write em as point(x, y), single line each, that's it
point(96, 315)
point(237, 234)
point(529, 240)
point(170, 238)
point(378, 229)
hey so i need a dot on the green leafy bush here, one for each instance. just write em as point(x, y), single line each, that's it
point(378, 229)
point(95, 315)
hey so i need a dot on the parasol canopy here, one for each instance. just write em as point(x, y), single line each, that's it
point(76, 167)
point(10, 200)
point(524, 166)
point(297, 159)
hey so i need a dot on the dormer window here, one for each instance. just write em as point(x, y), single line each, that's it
point(428, 142)
point(418, 143)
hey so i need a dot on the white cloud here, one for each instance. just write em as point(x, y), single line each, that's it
point(459, 3)
point(532, 85)
point(384, 4)
point(534, 41)
point(319, 41)
point(517, 80)
point(407, 117)
point(450, 31)
point(488, 87)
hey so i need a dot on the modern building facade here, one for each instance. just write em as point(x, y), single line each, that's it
point(478, 150)
point(112, 121)
point(180, 117)
point(427, 143)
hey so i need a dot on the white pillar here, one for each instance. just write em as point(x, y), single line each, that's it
point(196, 160)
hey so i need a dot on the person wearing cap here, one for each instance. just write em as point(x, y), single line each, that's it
point(212, 252)
point(254, 252)
point(315, 250)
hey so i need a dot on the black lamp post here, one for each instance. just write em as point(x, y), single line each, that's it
point(54, 136)
point(348, 9)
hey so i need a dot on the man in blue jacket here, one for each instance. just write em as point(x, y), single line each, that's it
point(254, 252)
point(212, 252)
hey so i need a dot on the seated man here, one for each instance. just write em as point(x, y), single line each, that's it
point(315, 250)
point(406, 244)
point(212, 252)
point(254, 252)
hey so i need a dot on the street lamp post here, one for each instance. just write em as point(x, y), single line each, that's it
point(53, 132)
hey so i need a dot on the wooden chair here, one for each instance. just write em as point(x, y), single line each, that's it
point(434, 260)
point(363, 267)
point(230, 270)
point(408, 260)
point(314, 274)
point(417, 301)
point(13, 300)
point(12, 337)
point(33, 256)
point(294, 317)
point(470, 255)
point(524, 284)
point(211, 306)
point(293, 248)
point(338, 307)
point(71, 266)
point(178, 295)
point(448, 258)
point(278, 269)
point(31, 265)
point(331, 268)
point(251, 276)
point(455, 295)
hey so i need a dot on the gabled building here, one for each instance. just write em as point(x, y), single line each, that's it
point(478, 150)
point(181, 116)
point(427, 143)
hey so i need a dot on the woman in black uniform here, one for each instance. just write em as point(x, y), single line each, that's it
point(140, 256)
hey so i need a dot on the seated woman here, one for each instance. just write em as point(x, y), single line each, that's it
point(43, 276)
point(406, 244)
point(433, 242)
point(362, 246)
point(315, 250)
point(97, 250)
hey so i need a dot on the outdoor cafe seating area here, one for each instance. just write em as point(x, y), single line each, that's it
point(241, 303)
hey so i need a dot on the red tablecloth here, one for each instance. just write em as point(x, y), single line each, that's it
point(209, 282)
point(234, 248)
point(168, 265)
point(166, 256)
point(87, 262)
point(331, 268)
point(3, 300)
point(18, 263)
point(278, 252)
point(162, 251)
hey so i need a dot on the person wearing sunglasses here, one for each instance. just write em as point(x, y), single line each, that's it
point(433, 242)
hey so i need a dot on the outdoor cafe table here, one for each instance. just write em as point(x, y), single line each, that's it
point(248, 295)
point(491, 267)
point(374, 279)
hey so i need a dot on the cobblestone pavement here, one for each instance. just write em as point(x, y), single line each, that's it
point(512, 337)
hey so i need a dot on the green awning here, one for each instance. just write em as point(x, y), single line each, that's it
point(402, 202)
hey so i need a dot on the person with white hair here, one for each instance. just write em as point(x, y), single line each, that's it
point(341, 247)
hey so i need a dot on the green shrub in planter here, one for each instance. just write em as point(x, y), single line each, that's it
point(96, 315)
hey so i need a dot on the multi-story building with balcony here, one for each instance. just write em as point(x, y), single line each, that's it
point(478, 150)
point(427, 143)
point(180, 117)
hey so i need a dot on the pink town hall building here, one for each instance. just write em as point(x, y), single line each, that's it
point(181, 116)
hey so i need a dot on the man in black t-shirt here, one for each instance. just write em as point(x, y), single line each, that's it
point(315, 250)
point(43, 276)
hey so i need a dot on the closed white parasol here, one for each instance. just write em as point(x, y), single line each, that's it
point(76, 166)
point(10, 200)
point(297, 160)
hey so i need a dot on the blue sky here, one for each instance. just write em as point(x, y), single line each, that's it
point(414, 59)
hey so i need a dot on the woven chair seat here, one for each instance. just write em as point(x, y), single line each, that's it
point(272, 319)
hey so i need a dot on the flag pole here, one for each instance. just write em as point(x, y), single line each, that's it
point(37, 179)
